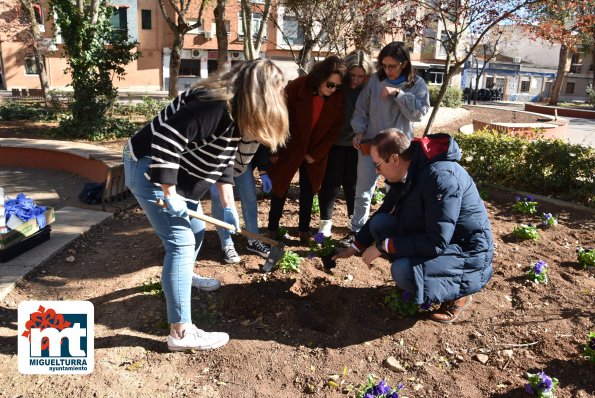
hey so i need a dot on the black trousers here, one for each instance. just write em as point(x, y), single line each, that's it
point(341, 170)
point(305, 201)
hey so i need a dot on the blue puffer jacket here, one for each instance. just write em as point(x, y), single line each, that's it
point(442, 223)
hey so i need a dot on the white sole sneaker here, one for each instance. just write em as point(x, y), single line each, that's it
point(197, 339)
point(205, 284)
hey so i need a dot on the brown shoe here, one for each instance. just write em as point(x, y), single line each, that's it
point(305, 236)
point(450, 310)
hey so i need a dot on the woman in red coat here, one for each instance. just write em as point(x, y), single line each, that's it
point(315, 106)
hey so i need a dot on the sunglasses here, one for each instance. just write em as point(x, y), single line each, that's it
point(390, 67)
point(333, 85)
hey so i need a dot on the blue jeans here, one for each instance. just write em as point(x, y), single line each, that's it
point(364, 189)
point(383, 226)
point(181, 237)
point(247, 191)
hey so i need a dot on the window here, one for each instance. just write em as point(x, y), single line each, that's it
point(444, 40)
point(189, 67)
point(119, 20)
point(38, 14)
point(30, 65)
point(436, 77)
point(256, 22)
point(146, 19)
point(292, 31)
point(576, 63)
point(199, 30)
point(570, 88)
point(525, 86)
point(490, 81)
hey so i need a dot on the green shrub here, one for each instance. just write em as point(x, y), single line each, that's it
point(453, 98)
point(13, 110)
point(108, 128)
point(547, 167)
point(525, 232)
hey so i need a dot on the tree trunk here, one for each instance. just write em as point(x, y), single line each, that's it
point(174, 64)
point(223, 63)
point(593, 63)
point(557, 86)
point(36, 36)
point(305, 57)
point(441, 93)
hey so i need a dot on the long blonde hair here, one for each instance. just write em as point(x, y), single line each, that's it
point(253, 91)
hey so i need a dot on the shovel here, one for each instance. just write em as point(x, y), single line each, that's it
point(275, 254)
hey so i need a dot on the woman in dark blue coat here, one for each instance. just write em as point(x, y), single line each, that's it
point(433, 224)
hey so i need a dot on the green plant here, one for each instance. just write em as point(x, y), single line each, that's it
point(538, 272)
point(323, 246)
point(541, 385)
point(378, 197)
point(586, 257)
point(525, 232)
point(548, 167)
point(152, 287)
point(401, 302)
point(315, 206)
point(290, 262)
point(453, 97)
point(378, 389)
point(13, 110)
point(548, 220)
point(282, 233)
point(590, 347)
point(526, 205)
point(96, 53)
point(591, 95)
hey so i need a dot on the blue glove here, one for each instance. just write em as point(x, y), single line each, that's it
point(267, 184)
point(176, 206)
point(230, 217)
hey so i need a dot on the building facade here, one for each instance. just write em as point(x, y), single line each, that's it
point(145, 23)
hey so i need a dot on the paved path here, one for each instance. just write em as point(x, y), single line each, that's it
point(580, 131)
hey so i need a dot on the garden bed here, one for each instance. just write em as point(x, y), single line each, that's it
point(292, 333)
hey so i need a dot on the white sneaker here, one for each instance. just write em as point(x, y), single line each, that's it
point(204, 283)
point(197, 339)
point(230, 255)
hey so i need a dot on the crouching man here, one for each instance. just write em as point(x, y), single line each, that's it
point(432, 224)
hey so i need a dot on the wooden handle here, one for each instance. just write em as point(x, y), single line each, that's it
point(223, 224)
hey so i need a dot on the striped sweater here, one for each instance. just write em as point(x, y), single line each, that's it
point(192, 144)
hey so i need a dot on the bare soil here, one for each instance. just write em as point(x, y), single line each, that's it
point(292, 333)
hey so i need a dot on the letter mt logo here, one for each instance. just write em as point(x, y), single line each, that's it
point(56, 337)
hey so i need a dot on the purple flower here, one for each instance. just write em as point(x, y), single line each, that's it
point(546, 382)
point(517, 198)
point(530, 198)
point(539, 267)
point(547, 216)
point(319, 238)
point(401, 386)
point(395, 395)
point(368, 395)
point(529, 389)
point(381, 389)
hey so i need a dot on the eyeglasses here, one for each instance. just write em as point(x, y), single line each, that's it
point(333, 85)
point(377, 165)
point(390, 67)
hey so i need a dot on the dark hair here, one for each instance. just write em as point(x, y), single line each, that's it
point(398, 50)
point(324, 69)
point(393, 141)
